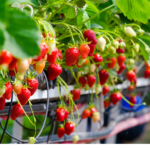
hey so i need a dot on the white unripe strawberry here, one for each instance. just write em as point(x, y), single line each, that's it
point(115, 44)
point(81, 61)
point(51, 44)
point(98, 89)
point(136, 47)
point(140, 32)
point(31, 140)
point(101, 43)
point(128, 31)
point(75, 139)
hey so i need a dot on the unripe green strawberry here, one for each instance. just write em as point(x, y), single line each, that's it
point(115, 44)
point(2, 90)
point(136, 47)
point(31, 140)
point(111, 49)
point(101, 43)
point(51, 44)
point(147, 49)
point(98, 89)
point(117, 67)
point(86, 88)
point(130, 62)
point(128, 31)
point(140, 32)
point(81, 61)
point(122, 45)
point(93, 88)
point(19, 76)
point(86, 69)
point(75, 139)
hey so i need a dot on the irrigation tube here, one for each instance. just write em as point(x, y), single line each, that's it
point(104, 132)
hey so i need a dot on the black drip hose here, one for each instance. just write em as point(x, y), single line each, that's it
point(9, 112)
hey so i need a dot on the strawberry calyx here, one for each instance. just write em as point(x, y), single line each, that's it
point(31, 74)
point(107, 99)
point(16, 82)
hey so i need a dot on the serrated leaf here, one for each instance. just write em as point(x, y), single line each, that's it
point(81, 17)
point(80, 3)
point(9, 2)
point(137, 10)
point(20, 35)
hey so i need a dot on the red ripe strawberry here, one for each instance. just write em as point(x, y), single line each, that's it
point(60, 55)
point(2, 103)
point(82, 81)
point(13, 72)
point(115, 97)
point(66, 114)
point(119, 50)
point(147, 73)
point(33, 85)
point(112, 62)
point(54, 70)
point(133, 100)
point(92, 48)
point(90, 54)
point(90, 36)
point(61, 132)
point(107, 102)
point(84, 50)
point(76, 94)
point(93, 110)
point(91, 80)
point(16, 111)
point(105, 90)
point(121, 69)
point(13, 64)
point(121, 59)
point(98, 58)
point(8, 91)
point(130, 88)
point(86, 113)
point(103, 75)
point(53, 56)
point(72, 55)
point(43, 52)
point(69, 128)
point(5, 57)
point(24, 96)
point(147, 65)
point(60, 114)
point(131, 75)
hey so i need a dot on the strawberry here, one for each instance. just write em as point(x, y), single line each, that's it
point(54, 70)
point(13, 72)
point(103, 75)
point(130, 88)
point(121, 59)
point(24, 95)
point(86, 113)
point(69, 128)
point(147, 73)
point(66, 114)
point(91, 80)
point(60, 55)
point(53, 56)
point(98, 89)
point(105, 90)
point(16, 111)
point(115, 97)
point(84, 50)
point(33, 85)
point(93, 110)
point(23, 66)
point(96, 116)
point(82, 81)
point(92, 48)
point(17, 86)
point(131, 75)
point(101, 43)
point(121, 69)
point(39, 67)
point(44, 50)
point(20, 76)
point(98, 58)
point(13, 64)
point(60, 114)
point(5, 57)
point(60, 131)
point(32, 140)
point(147, 65)
point(76, 94)
point(107, 102)
point(2, 103)
point(133, 100)
point(75, 138)
point(121, 49)
point(72, 55)
point(90, 36)
point(129, 32)
point(112, 62)
point(8, 91)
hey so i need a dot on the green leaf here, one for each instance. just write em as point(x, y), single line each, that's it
point(83, 16)
point(20, 35)
point(69, 11)
point(137, 10)
point(98, 1)
point(80, 3)
point(9, 2)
